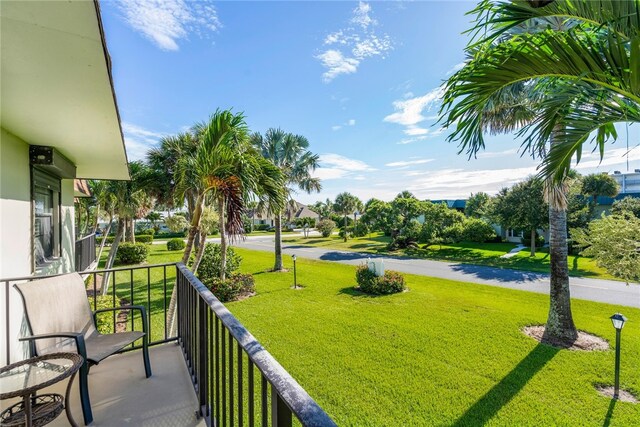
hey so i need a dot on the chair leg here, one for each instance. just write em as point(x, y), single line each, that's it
point(145, 355)
point(84, 394)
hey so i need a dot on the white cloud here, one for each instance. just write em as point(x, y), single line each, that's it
point(494, 154)
point(165, 22)
point(361, 15)
point(351, 45)
point(615, 157)
point(413, 130)
point(351, 122)
point(411, 140)
point(139, 140)
point(336, 127)
point(336, 63)
point(335, 166)
point(409, 163)
point(409, 111)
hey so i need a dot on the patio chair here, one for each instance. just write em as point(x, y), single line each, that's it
point(60, 319)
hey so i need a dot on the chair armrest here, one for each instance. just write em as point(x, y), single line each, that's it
point(52, 335)
point(78, 337)
point(141, 308)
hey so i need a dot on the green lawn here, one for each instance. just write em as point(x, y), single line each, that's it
point(444, 353)
point(470, 253)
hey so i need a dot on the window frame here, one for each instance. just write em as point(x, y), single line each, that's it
point(43, 180)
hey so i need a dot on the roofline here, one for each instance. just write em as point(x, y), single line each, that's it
point(107, 60)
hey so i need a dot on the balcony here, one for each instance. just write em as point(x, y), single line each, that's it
point(212, 372)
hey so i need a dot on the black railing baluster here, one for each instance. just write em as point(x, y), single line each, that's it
point(210, 359)
point(203, 343)
point(250, 391)
point(114, 300)
point(7, 320)
point(240, 412)
point(231, 402)
point(280, 412)
point(217, 356)
point(224, 381)
point(164, 299)
point(149, 302)
point(133, 325)
point(264, 402)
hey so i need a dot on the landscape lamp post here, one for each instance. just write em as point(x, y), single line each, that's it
point(295, 279)
point(618, 323)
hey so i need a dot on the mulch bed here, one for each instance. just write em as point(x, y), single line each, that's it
point(623, 395)
point(585, 341)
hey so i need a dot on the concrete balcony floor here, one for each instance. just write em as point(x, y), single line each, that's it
point(122, 396)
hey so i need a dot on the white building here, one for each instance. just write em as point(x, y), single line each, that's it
point(59, 121)
point(629, 182)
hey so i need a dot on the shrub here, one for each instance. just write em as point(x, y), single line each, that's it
point(149, 231)
point(345, 233)
point(170, 235)
point(104, 321)
point(176, 245)
point(453, 233)
point(390, 283)
point(108, 242)
point(261, 227)
point(233, 287)
point(477, 230)
point(360, 229)
point(210, 263)
point(526, 240)
point(144, 238)
point(132, 253)
point(326, 227)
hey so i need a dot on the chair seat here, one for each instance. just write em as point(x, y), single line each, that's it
point(100, 346)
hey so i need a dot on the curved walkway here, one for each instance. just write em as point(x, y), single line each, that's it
point(607, 291)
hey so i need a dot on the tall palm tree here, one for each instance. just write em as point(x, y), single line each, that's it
point(226, 169)
point(345, 204)
point(599, 184)
point(581, 79)
point(290, 154)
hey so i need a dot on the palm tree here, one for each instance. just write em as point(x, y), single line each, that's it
point(225, 169)
point(580, 77)
point(599, 184)
point(345, 204)
point(290, 154)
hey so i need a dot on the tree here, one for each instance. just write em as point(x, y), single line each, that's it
point(628, 204)
point(378, 215)
point(522, 207)
point(405, 208)
point(614, 242)
point(154, 217)
point(599, 184)
point(476, 205)
point(345, 204)
point(323, 209)
point(573, 61)
point(290, 154)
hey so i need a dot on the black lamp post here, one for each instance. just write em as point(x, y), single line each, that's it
point(618, 323)
point(295, 279)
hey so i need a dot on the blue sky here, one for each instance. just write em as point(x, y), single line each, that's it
point(359, 80)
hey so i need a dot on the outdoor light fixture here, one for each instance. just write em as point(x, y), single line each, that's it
point(295, 279)
point(618, 321)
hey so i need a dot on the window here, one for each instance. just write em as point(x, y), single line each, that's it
point(46, 217)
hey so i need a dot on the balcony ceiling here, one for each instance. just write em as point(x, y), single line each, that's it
point(56, 86)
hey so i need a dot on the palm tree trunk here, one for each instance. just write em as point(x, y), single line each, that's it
point(533, 242)
point(132, 230)
point(171, 325)
point(345, 227)
point(560, 328)
point(223, 240)
point(201, 244)
point(104, 237)
point(278, 249)
point(195, 226)
point(112, 255)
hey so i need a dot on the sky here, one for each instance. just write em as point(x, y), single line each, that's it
point(361, 81)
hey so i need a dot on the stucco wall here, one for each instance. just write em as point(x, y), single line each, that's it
point(16, 250)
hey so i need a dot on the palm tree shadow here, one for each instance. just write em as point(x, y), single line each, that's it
point(607, 417)
point(489, 404)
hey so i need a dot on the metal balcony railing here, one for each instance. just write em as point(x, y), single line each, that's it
point(231, 371)
point(237, 382)
point(85, 252)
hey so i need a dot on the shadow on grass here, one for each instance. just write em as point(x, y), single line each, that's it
point(350, 290)
point(499, 274)
point(609, 415)
point(488, 406)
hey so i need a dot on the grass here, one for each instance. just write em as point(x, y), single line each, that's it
point(471, 253)
point(444, 353)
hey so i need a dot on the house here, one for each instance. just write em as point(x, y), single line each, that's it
point(60, 123)
point(628, 182)
point(295, 210)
